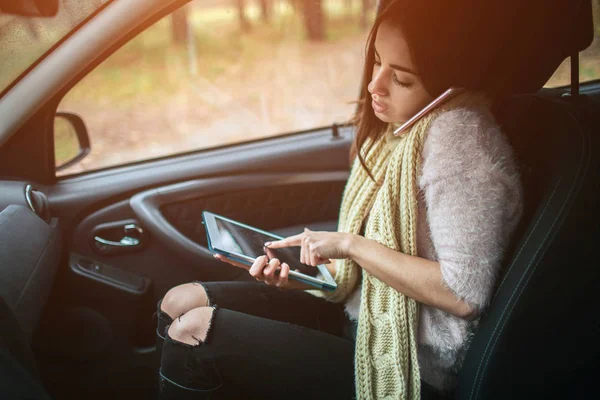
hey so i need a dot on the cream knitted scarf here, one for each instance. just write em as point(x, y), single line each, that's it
point(386, 365)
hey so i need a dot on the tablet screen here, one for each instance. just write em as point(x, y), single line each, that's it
point(238, 239)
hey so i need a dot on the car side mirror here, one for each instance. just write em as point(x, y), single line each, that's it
point(71, 140)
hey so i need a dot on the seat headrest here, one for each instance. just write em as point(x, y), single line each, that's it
point(508, 46)
point(540, 35)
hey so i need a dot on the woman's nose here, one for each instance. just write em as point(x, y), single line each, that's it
point(377, 85)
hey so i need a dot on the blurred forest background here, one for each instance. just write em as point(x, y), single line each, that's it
point(224, 71)
point(217, 72)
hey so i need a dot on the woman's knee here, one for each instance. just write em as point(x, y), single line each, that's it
point(192, 327)
point(183, 298)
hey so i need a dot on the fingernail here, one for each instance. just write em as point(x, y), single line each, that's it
point(267, 244)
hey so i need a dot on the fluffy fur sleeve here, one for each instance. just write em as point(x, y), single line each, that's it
point(473, 199)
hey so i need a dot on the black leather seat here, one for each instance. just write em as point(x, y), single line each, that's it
point(540, 335)
point(539, 338)
point(18, 372)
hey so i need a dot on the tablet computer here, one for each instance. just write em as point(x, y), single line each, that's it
point(244, 243)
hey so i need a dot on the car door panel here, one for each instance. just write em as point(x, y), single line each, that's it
point(315, 151)
point(282, 184)
point(183, 257)
point(269, 201)
point(298, 180)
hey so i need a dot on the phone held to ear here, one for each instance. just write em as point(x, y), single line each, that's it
point(447, 95)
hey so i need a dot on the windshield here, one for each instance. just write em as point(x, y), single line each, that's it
point(23, 40)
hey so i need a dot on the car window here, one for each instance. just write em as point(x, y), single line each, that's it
point(23, 40)
point(215, 73)
point(589, 59)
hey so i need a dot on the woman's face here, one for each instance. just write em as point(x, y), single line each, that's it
point(396, 91)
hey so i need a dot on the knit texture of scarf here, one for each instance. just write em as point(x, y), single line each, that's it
point(386, 365)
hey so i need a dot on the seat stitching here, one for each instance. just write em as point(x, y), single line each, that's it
point(485, 358)
point(185, 387)
point(495, 337)
point(569, 113)
point(537, 222)
point(512, 306)
point(573, 189)
point(528, 237)
point(512, 295)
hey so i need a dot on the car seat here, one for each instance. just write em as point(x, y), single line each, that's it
point(539, 337)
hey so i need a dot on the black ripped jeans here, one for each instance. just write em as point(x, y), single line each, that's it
point(263, 343)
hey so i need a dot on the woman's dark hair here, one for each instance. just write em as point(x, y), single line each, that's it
point(368, 126)
point(445, 49)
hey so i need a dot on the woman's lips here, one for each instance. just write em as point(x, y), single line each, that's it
point(378, 108)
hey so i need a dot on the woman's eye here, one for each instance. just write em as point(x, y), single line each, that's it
point(397, 82)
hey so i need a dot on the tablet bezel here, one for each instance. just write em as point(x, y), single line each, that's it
point(212, 233)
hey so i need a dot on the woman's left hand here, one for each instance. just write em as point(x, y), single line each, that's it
point(317, 247)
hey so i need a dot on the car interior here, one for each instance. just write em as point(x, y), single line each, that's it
point(85, 259)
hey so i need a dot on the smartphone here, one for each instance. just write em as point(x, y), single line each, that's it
point(447, 95)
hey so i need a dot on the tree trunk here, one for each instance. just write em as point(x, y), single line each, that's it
point(596, 16)
point(179, 24)
point(244, 23)
point(366, 5)
point(295, 4)
point(314, 20)
point(595, 47)
point(265, 10)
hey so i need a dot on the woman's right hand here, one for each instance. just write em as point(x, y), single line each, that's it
point(266, 270)
point(272, 272)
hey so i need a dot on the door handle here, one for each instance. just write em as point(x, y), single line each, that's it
point(125, 242)
point(122, 237)
point(129, 240)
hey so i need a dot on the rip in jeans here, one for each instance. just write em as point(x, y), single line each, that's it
point(197, 339)
point(209, 302)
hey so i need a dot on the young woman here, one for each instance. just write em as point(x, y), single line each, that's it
point(424, 223)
